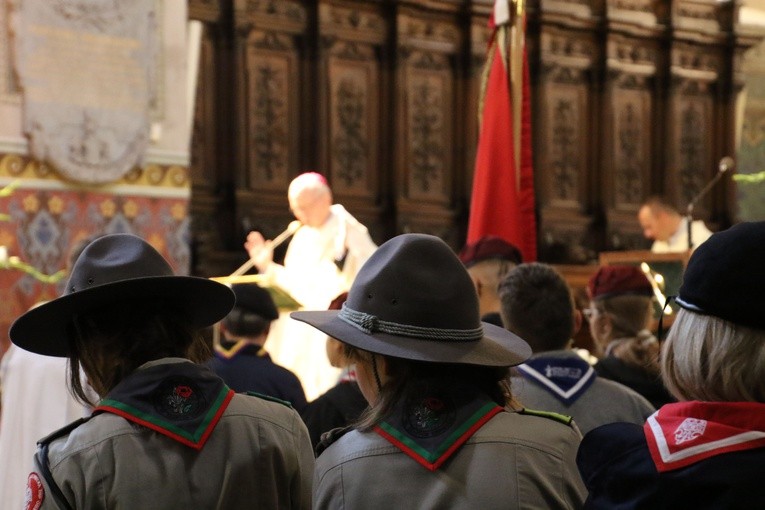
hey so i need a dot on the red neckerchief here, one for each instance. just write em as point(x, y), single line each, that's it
point(684, 433)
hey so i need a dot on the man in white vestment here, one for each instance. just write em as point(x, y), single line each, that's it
point(323, 258)
point(663, 224)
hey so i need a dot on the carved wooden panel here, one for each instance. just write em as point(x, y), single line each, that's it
point(428, 105)
point(273, 77)
point(695, 71)
point(629, 98)
point(425, 125)
point(563, 118)
point(562, 143)
point(629, 127)
point(349, 146)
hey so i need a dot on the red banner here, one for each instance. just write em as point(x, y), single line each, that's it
point(502, 202)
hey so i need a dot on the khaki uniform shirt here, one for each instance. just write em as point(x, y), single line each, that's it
point(258, 456)
point(514, 461)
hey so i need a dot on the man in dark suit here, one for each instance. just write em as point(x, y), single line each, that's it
point(241, 359)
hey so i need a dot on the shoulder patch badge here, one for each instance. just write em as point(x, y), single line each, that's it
point(35, 494)
point(565, 419)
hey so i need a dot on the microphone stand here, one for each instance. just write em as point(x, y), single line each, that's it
point(724, 165)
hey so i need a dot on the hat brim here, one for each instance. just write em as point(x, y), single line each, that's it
point(43, 329)
point(498, 347)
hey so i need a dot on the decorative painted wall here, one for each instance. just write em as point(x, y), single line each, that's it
point(52, 210)
point(48, 218)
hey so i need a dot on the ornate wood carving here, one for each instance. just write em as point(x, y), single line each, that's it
point(428, 128)
point(272, 73)
point(350, 145)
point(629, 98)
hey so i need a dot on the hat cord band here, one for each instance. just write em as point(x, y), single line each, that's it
point(370, 323)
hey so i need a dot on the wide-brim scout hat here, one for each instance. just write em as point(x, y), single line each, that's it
point(725, 276)
point(414, 299)
point(113, 269)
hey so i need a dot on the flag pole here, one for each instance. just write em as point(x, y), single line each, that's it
point(517, 43)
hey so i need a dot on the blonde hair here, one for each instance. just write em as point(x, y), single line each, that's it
point(710, 359)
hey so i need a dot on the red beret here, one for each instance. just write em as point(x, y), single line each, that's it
point(490, 247)
point(612, 281)
point(337, 303)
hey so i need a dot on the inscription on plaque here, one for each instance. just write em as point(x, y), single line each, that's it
point(84, 68)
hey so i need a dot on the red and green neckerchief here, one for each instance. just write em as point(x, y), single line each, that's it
point(433, 423)
point(184, 401)
point(684, 433)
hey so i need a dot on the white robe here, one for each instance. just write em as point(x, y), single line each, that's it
point(311, 276)
point(679, 240)
point(35, 402)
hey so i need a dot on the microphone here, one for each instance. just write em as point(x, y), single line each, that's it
point(726, 164)
point(723, 166)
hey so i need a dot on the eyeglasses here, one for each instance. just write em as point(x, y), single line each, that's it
point(660, 330)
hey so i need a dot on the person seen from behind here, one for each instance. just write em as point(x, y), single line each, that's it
point(241, 358)
point(166, 432)
point(705, 451)
point(342, 404)
point(537, 305)
point(442, 430)
point(620, 314)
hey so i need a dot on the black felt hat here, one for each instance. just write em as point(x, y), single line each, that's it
point(414, 299)
point(253, 298)
point(725, 276)
point(112, 269)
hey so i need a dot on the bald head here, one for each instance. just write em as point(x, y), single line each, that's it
point(310, 198)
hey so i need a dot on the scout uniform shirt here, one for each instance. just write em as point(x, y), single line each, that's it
point(172, 435)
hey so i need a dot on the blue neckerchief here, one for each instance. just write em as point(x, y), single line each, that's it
point(565, 378)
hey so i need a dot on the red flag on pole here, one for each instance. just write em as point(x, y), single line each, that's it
point(502, 202)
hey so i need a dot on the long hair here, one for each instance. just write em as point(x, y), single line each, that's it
point(110, 343)
point(403, 376)
point(710, 359)
point(630, 318)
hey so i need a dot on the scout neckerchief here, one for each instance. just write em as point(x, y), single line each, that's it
point(684, 433)
point(431, 424)
point(183, 401)
point(228, 350)
point(566, 378)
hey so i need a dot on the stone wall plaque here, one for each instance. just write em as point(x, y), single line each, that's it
point(85, 68)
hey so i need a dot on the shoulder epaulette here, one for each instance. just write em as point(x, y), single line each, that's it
point(66, 429)
point(270, 398)
point(563, 418)
point(329, 437)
